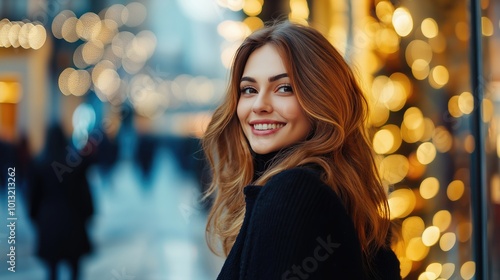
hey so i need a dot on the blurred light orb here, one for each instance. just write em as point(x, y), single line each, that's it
point(429, 28)
point(455, 190)
point(426, 153)
point(430, 236)
point(402, 21)
point(429, 187)
point(401, 203)
point(394, 168)
point(442, 220)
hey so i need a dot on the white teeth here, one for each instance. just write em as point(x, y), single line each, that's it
point(267, 126)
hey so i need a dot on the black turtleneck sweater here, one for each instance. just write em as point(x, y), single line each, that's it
point(295, 228)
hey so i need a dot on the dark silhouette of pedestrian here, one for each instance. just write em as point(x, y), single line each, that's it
point(60, 203)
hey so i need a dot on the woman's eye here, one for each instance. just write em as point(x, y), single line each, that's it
point(285, 88)
point(248, 90)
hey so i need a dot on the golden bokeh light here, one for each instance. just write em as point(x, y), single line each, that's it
point(488, 110)
point(412, 227)
point(462, 30)
point(137, 14)
point(438, 43)
point(427, 275)
point(429, 28)
point(453, 107)
point(394, 168)
point(429, 187)
point(416, 249)
point(442, 220)
point(402, 21)
point(447, 270)
point(413, 118)
point(420, 69)
point(447, 241)
point(416, 170)
point(253, 23)
point(418, 49)
point(435, 268)
point(487, 26)
point(455, 190)
point(428, 129)
point(379, 114)
point(469, 144)
point(384, 11)
point(468, 270)
point(464, 231)
point(426, 153)
point(92, 52)
point(442, 139)
point(387, 140)
point(466, 102)
point(430, 236)
point(252, 8)
point(438, 76)
point(387, 40)
point(401, 203)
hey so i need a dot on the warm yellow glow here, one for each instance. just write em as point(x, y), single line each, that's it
point(453, 107)
point(233, 30)
point(442, 139)
point(455, 190)
point(387, 140)
point(420, 69)
point(79, 82)
point(448, 270)
point(418, 49)
point(413, 118)
point(63, 80)
point(488, 110)
point(412, 227)
point(401, 203)
point(487, 26)
point(405, 266)
point(429, 187)
point(383, 141)
point(447, 241)
point(252, 8)
point(412, 135)
point(387, 41)
point(379, 114)
point(466, 102)
point(394, 168)
point(426, 153)
point(469, 144)
point(464, 231)
point(428, 129)
point(429, 28)
point(430, 236)
point(438, 43)
point(384, 11)
point(426, 275)
point(435, 268)
point(468, 270)
point(109, 29)
point(462, 30)
point(402, 82)
point(439, 76)
point(402, 21)
point(299, 11)
point(442, 220)
point(417, 169)
point(253, 23)
point(58, 22)
point(13, 35)
point(416, 249)
point(10, 92)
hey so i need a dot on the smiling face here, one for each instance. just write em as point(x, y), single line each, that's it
point(268, 110)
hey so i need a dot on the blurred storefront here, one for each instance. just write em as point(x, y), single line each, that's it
point(155, 69)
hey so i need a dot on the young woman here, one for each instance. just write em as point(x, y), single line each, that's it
point(297, 192)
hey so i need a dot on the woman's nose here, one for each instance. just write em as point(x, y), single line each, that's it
point(262, 103)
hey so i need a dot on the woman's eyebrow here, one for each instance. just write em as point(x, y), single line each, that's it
point(271, 79)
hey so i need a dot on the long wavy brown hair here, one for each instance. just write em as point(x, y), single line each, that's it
point(328, 92)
